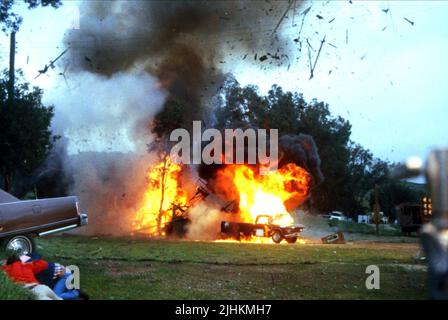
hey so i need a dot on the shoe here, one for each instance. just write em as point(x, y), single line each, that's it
point(83, 295)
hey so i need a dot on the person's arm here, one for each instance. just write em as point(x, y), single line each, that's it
point(39, 265)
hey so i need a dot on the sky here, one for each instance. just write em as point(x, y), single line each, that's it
point(377, 70)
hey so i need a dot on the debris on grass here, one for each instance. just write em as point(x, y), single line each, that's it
point(335, 238)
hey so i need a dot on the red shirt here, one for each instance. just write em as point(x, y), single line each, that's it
point(25, 272)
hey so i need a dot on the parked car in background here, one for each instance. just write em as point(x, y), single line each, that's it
point(337, 215)
point(21, 221)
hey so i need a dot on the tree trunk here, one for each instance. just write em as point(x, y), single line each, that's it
point(7, 182)
point(162, 199)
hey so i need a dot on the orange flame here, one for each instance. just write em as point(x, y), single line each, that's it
point(261, 198)
point(268, 196)
point(163, 191)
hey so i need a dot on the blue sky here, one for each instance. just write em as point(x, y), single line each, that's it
point(389, 80)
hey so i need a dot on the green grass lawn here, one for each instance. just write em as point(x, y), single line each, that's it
point(117, 268)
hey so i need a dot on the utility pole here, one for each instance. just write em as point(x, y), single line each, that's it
point(376, 212)
point(12, 56)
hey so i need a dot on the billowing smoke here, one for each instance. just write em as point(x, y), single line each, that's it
point(182, 43)
point(205, 222)
point(105, 124)
point(301, 150)
point(108, 113)
point(142, 69)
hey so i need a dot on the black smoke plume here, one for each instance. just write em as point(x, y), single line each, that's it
point(181, 42)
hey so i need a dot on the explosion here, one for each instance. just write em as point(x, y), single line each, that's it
point(265, 199)
point(272, 194)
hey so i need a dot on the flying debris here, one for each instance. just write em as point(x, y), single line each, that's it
point(51, 65)
point(385, 10)
point(276, 56)
point(331, 20)
point(306, 11)
point(86, 58)
point(283, 16)
point(63, 75)
point(317, 57)
point(263, 58)
point(318, 16)
point(384, 28)
point(411, 22)
point(309, 44)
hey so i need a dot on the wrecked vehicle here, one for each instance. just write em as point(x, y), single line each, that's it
point(263, 227)
point(412, 216)
point(22, 221)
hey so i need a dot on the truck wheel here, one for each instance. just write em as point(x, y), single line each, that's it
point(291, 240)
point(277, 237)
point(22, 243)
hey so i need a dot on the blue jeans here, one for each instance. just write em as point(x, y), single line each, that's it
point(60, 288)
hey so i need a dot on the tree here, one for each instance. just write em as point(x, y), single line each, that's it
point(365, 171)
point(25, 136)
point(332, 136)
point(171, 117)
point(11, 21)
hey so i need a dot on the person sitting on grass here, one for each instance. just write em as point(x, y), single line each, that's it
point(57, 277)
point(24, 273)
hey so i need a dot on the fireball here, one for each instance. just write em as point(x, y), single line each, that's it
point(272, 194)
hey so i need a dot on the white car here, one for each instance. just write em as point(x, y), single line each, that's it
point(336, 215)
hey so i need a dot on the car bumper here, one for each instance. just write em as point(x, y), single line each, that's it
point(83, 219)
point(292, 234)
